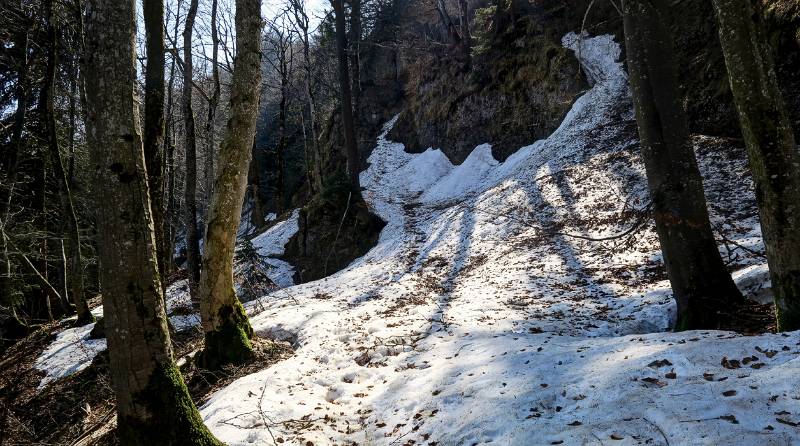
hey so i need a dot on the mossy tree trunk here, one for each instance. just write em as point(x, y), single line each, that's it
point(73, 265)
point(702, 287)
point(227, 330)
point(154, 121)
point(153, 404)
point(346, 96)
point(190, 192)
point(771, 148)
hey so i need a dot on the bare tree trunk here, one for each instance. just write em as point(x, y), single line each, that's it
point(447, 22)
point(281, 148)
point(153, 404)
point(154, 121)
point(355, 52)
point(74, 273)
point(227, 330)
point(171, 213)
point(466, 36)
point(11, 161)
point(701, 285)
point(49, 290)
point(254, 178)
point(213, 102)
point(314, 162)
point(771, 148)
point(73, 92)
point(346, 97)
point(190, 204)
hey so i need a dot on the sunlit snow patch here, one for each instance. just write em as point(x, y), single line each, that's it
point(71, 352)
point(272, 243)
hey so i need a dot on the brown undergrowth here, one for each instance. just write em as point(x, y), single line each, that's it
point(79, 410)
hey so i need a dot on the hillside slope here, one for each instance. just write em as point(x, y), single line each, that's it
point(484, 315)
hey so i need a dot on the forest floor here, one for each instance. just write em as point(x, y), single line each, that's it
point(490, 311)
point(56, 381)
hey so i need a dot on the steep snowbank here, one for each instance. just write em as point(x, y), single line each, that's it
point(483, 316)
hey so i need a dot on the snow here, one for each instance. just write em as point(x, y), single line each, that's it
point(71, 352)
point(479, 317)
point(271, 244)
point(464, 179)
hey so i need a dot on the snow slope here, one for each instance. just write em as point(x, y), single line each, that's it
point(482, 316)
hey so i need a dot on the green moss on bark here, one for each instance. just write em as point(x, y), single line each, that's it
point(85, 319)
point(173, 418)
point(230, 344)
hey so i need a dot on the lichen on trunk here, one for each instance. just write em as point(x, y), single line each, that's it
point(771, 147)
point(153, 404)
point(224, 321)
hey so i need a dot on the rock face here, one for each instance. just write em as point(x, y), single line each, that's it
point(521, 84)
point(335, 228)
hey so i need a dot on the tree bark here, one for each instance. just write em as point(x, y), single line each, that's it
point(154, 121)
point(227, 330)
point(771, 148)
point(313, 161)
point(74, 273)
point(153, 404)
point(447, 22)
point(700, 283)
point(190, 205)
point(346, 97)
point(171, 213)
point(280, 150)
point(259, 212)
point(10, 165)
point(213, 102)
point(466, 35)
point(355, 53)
point(73, 92)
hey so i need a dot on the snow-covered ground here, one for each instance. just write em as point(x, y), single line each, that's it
point(270, 245)
point(70, 352)
point(73, 350)
point(482, 316)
